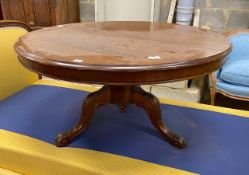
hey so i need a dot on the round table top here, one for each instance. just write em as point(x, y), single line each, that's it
point(129, 51)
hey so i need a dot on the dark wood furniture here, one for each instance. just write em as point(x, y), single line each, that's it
point(122, 56)
point(41, 13)
point(13, 23)
point(1, 14)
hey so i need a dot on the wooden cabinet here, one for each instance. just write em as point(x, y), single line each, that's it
point(41, 13)
point(1, 15)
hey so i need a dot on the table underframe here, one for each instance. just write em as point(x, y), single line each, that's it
point(121, 96)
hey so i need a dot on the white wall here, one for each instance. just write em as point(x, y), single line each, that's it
point(127, 10)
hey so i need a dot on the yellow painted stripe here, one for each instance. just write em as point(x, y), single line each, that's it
point(90, 88)
point(237, 112)
point(28, 156)
point(65, 84)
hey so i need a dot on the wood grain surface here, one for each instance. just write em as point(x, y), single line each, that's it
point(126, 48)
point(41, 13)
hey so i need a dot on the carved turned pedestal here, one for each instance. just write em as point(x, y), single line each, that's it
point(122, 56)
point(121, 96)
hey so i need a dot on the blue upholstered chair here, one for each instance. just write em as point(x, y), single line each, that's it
point(232, 79)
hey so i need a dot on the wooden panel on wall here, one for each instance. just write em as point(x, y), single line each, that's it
point(16, 8)
point(42, 12)
point(67, 11)
point(52, 9)
point(73, 11)
point(1, 15)
point(29, 12)
point(5, 9)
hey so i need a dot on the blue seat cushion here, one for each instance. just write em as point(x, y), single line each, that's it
point(235, 90)
point(236, 72)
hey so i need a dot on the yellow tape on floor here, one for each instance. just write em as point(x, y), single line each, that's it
point(28, 156)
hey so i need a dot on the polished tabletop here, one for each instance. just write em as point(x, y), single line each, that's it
point(123, 47)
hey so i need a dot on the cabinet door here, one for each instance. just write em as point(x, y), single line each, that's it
point(1, 15)
point(29, 12)
point(67, 11)
point(42, 12)
point(13, 9)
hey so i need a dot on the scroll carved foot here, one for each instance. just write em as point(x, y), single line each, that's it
point(152, 106)
point(90, 105)
point(122, 108)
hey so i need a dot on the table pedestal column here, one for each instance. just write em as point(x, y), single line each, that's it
point(121, 96)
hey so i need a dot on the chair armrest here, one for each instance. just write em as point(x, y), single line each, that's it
point(14, 23)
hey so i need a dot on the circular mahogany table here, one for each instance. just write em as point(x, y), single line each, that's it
point(122, 56)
